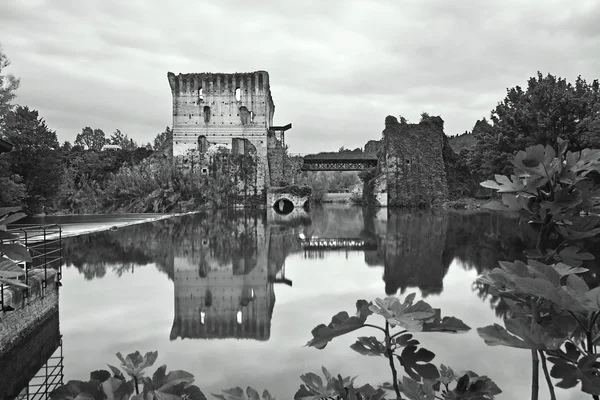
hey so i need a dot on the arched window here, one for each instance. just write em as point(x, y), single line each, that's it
point(244, 115)
point(200, 95)
point(206, 112)
point(238, 94)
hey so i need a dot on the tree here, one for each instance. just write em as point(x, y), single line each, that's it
point(548, 108)
point(162, 138)
point(91, 139)
point(8, 85)
point(13, 189)
point(27, 130)
point(121, 139)
point(35, 159)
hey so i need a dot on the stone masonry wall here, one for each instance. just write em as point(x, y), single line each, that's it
point(414, 165)
point(28, 311)
point(23, 360)
point(205, 104)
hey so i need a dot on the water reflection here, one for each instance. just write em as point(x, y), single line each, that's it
point(227, 268)
point(224, 265)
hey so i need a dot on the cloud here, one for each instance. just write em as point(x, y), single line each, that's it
point(337, 67)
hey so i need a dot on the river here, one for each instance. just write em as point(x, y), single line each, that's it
point(232, 297)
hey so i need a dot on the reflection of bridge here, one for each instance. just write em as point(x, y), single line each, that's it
point(337, 244)
point(344, 161)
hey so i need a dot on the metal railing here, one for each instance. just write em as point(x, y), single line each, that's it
point(48, 378)
point(44, 243)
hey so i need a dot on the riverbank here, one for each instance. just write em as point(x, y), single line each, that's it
point(465, 203)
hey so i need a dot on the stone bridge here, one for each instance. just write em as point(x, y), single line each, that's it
point(213, 111)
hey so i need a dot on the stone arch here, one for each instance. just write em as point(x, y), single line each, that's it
point(283, 206)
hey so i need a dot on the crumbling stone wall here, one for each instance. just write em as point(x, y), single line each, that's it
point(374, 147)
point(276, 157)
point(460, 181)
point(414, 164)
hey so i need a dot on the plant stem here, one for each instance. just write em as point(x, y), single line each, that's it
point(390, 353)
point(135, 380)
point(547, 375)
point(535, 362)
point(380, 328)
point(590, 348)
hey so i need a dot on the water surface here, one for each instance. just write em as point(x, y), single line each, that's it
point(178, 286)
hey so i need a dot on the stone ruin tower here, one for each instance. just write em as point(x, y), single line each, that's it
point(231, 110)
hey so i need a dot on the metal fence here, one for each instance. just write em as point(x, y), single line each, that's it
point(44, 243)
point(48, 378)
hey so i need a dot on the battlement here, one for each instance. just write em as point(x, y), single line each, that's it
point(208, 83)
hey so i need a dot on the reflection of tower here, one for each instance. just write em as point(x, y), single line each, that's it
point(413, 251)
point(34, 367)
point(226, 289)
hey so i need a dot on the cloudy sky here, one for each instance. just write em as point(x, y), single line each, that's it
point(337, 67)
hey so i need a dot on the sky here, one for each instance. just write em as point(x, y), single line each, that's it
point(337, 67)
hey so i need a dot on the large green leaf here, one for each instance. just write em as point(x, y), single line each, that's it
point(537, 160)
point(573, 256)
point(416, 363)
point(8, 210)
point(169, 386)
point(78, 390)
point(521, 334)
point(414, 390)
point(4, 235)
point(404, 314)
point(340, 324)
point(314, 388)
point(9, 219)
point(369, 346)
point(134, 364)
point(471, 386)
point(581, 228)
point(496, 335)
point(585, 370)
point(504, 184)
point(238, 393)
point(564, 199)
point(15, 251)
point(10, 269)
point(446, 324)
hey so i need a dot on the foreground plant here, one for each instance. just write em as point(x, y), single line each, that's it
point(11, 253)
point(424, 380)
point(554, 313)
point(162, 386)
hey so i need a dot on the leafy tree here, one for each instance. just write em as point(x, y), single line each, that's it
point(121, 139)
point(552, 310)
point(91, 139)
point(162, 138)
point(548, 108)
point(66, 146)
point(8, 85)
point(27, 130)
point(35, 158)
point(13, 189)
